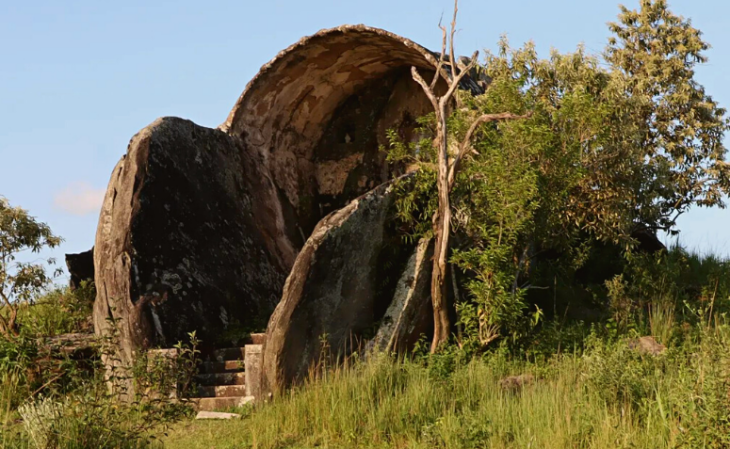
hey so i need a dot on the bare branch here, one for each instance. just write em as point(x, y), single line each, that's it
point(429, 93)
point(5, 299)
point(440, 65)
point(456, 79)
point(7, 325)
point(4, 327)
point(12, 320)
point(465, 144)
point(451, 40)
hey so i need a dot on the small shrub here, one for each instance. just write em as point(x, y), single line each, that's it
point(85, 421)
point(39, 417)
point(59, 311)
point(621, 376)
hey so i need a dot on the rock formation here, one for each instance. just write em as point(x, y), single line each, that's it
point(410, 313)
point(335, 292)
point(186, 239)
point(646, 346)
point(318, 112)
point(80, 268)
point(200, 227)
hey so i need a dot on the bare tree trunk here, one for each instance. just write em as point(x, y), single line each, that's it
point(9, 325)
point(442, 229)
point(447, 170)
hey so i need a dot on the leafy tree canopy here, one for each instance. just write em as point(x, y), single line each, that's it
point(20, 282)
point(615, 142)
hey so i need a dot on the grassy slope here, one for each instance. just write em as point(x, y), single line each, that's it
point(608, 398)
point(605, 397)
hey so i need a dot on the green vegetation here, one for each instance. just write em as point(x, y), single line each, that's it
point(605, 397)
point(550, 282)
point(56, 399)
point(56, 396)
point(20, 282)
point(614, 146)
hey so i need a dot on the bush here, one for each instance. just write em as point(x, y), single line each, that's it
point(60, 311)
point(84, 422)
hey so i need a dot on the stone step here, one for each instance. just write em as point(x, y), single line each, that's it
point(213, 404)
point(219, 391)
point(237, 353)
point(216, 415)
point(213, 379)
point(223, 354)
point(226, 366)
point(257, 339)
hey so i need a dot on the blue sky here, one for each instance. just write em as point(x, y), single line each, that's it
point(79, 78)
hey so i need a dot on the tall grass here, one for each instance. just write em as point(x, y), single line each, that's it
point(661, 319)
point(608, 397)
point(10, 435)
point(602, 395)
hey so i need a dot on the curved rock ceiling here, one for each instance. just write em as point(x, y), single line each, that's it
point(317, 114)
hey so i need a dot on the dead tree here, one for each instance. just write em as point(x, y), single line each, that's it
point(447, 169)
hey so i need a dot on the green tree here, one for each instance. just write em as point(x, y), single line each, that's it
point(611, 144)
point(447, 166)
point(681, 127)
point(20, 282)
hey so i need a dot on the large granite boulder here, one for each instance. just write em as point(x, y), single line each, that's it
point(410, 313)
point(200, 227)
point(340, 286)
point(188, 239)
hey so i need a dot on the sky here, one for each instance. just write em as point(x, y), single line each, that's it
point(79, 78)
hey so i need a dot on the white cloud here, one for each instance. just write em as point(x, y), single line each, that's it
point(79, 198)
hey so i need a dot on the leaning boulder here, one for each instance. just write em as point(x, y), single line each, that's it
point(337, 289)
point(187, 240)
point(410, 313)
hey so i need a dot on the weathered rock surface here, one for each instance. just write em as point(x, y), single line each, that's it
point(318, 112)
point(516, 383)
point(80, 268)
point(187, 239)
point(647, 346)
point(76, 345)
point(648, 241)
point(252, 362)
point(337, 289)
point(216, 415)
point(200, 227)
point(410, 313)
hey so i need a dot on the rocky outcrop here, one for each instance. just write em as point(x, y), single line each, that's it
point(80, 268)
point(516, 383)
point(200, 227)
point(187, 239)
point(336, 291)
point(319, 111)
point(410, 313)
point(646, 346)
point(648, 241)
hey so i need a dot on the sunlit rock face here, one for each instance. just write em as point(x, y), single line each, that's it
point(200, 227)
point(338, 290)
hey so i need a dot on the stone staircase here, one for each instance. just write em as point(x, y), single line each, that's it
point(230, 376)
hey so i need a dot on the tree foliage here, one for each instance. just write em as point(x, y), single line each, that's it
point(615, 142)
point(20, 282)
point(680, 127)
